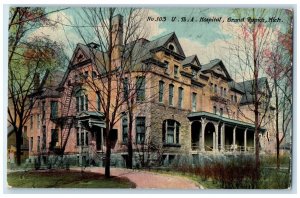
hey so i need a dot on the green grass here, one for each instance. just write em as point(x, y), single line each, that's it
point(65, 179)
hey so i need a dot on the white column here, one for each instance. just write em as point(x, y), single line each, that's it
point(203, 125)
point(222, 136)
point(234, 137)
point(245, 140)
point(216, 136)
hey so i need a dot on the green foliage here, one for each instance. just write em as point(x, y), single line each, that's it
point(65, 179)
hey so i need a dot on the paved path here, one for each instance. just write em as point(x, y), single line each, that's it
point(150, 180)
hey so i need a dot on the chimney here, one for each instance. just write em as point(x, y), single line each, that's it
point(117, 38)
point(117, 30)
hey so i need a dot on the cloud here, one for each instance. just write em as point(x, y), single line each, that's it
point(61, 33)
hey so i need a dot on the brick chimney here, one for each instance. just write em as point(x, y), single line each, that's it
point(117, 37)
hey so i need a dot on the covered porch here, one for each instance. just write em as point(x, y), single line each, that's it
point(211, 132)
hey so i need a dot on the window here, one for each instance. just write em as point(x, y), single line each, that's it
point(77, 104)
point(231, 98)
point(225, 92)
point(98, 101)
point(235, 98)
point(180, 95)
point(171, 92)
point(161, 91)
point(54, 137)
point(31, 144)
point(125, 88)
point(215, 110)
point(221, 111)
point(211, 87)
point(171, 132)
point(81, 102)
point(171, 47)
point(194, 72)
point(44, 137)
point(31, 121)
point(82, 137)
point(54, 109)
point(140, 89)
point(94, 75)
point(86, 103)
point(166, 64)
point(194, 101)
point(39, 144)
point(176, 70)
point(124, 129)
point(86, 74)
point(140, 130)
point(221, 91)
point(216, 89)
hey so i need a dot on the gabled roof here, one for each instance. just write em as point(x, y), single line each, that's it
point(209, 66)
point(248, 88)
point(162, 42)
point(189, 61)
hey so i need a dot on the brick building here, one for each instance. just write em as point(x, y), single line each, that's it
point(184, 107)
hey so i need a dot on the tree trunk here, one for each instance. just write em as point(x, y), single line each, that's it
point(129, 143)
point(277, 124)
point(108, 153)
point(18, 145)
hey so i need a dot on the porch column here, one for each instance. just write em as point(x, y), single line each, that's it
point(222, 136)
point(245, 140)
point(234, 137)
point(203, 125)
point(216, 147)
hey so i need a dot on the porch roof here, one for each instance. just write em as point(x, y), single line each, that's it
point(214, 117)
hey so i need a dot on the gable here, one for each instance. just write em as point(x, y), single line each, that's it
point(173, 42)
point(219, 70)
point(78, 56)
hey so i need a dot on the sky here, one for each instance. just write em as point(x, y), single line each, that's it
point(208, 40)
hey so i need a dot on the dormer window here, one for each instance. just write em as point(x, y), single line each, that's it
point(171, 47)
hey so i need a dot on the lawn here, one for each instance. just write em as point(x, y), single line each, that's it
point(65, 179)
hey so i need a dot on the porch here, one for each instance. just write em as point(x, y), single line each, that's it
point(215, 133)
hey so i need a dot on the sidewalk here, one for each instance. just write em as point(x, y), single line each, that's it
point(149, 180)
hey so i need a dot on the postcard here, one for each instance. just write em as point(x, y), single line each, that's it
point(150, 98)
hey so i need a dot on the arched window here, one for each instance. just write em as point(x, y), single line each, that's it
point(170, 132)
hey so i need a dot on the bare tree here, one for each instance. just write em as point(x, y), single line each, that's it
point(279, 60)
point(115, 57)
point(251, 41)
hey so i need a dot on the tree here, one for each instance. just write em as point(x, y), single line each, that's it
point(252, 39)
point(26, 63)
point(115, 57)
point(279, 60)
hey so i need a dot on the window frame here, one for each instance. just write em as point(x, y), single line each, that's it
point(140, 121)
point(161, 91)
point(140, 88)
point(171, 94)
point(174, 132)
point(194, 102)
point(180, 97)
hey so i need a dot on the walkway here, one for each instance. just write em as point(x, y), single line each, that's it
point(150, 180)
